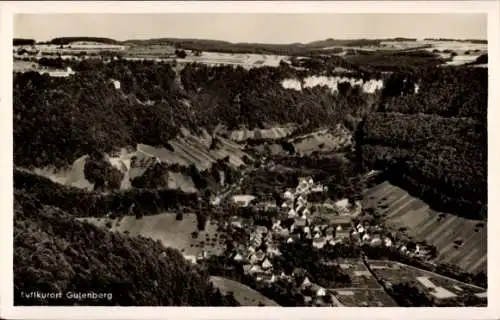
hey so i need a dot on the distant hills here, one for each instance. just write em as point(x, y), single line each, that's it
point(192, 41)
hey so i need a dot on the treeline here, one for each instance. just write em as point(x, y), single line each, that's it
point(68, 40)
point(477, 41)
point(54, 253)
point(293, 49)
point(398, 61)
point(433, 143)
point(23, 42)
point(448, 92)
point(96, 204)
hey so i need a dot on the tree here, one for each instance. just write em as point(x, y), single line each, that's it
point(180, 54)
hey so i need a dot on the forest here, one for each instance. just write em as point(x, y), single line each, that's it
point(57, 120)
point(433, 143)
point(53, 252)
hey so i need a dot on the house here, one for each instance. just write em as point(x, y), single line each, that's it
point(269, 278)
point(238, 257)
point(289, 240)
point(292, 213)
point(339, 228)
point(387, 242)
point(365, 237)
point(319, 243)
point(375, 241)
point(318, 290)
point(255, 269)
point(288, 195)
point(267, 264)
point(247, 268)
point(284, 205)
point(260, 255)
point(306, 283)
point(253, 259)
point(237, 224)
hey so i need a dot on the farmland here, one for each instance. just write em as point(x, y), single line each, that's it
point(271, 134)
point(170, 232)
point(437, 286)
point(442, 230)
point(354, 297)
point(364, 291)
point(245, 295)
point(325, 140)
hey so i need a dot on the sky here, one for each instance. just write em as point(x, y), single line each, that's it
point(262, 28)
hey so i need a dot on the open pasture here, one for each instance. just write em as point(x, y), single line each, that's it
point(245, 295)
point(177, 234)
point(443, 230)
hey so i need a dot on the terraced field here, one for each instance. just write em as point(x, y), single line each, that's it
point(271, 134)
point(245, 295)
point(189, 149)
point(169, 231)
point(439, 229)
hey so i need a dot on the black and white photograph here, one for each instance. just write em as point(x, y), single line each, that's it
point(249, 159)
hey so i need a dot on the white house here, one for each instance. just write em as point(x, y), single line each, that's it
point(267, 264)
point(306, 212)
point(288, 195)
point(387, 242)
point(247, 268)
point(238, 257)
point(289, 240)
point(255, 269)
point(339, 228)
point(317, 243)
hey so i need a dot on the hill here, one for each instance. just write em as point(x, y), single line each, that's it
point(55, 253)
point(68, 40)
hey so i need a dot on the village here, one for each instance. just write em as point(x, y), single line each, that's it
point(297, 220)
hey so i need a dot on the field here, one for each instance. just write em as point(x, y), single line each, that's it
point(326, 140)
point(271, 134)
point(364, 291)
point(169, 231)
point(245, 295)
point(354, 297)
point(190, 149)
point(435, 285)
point(439, 229)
